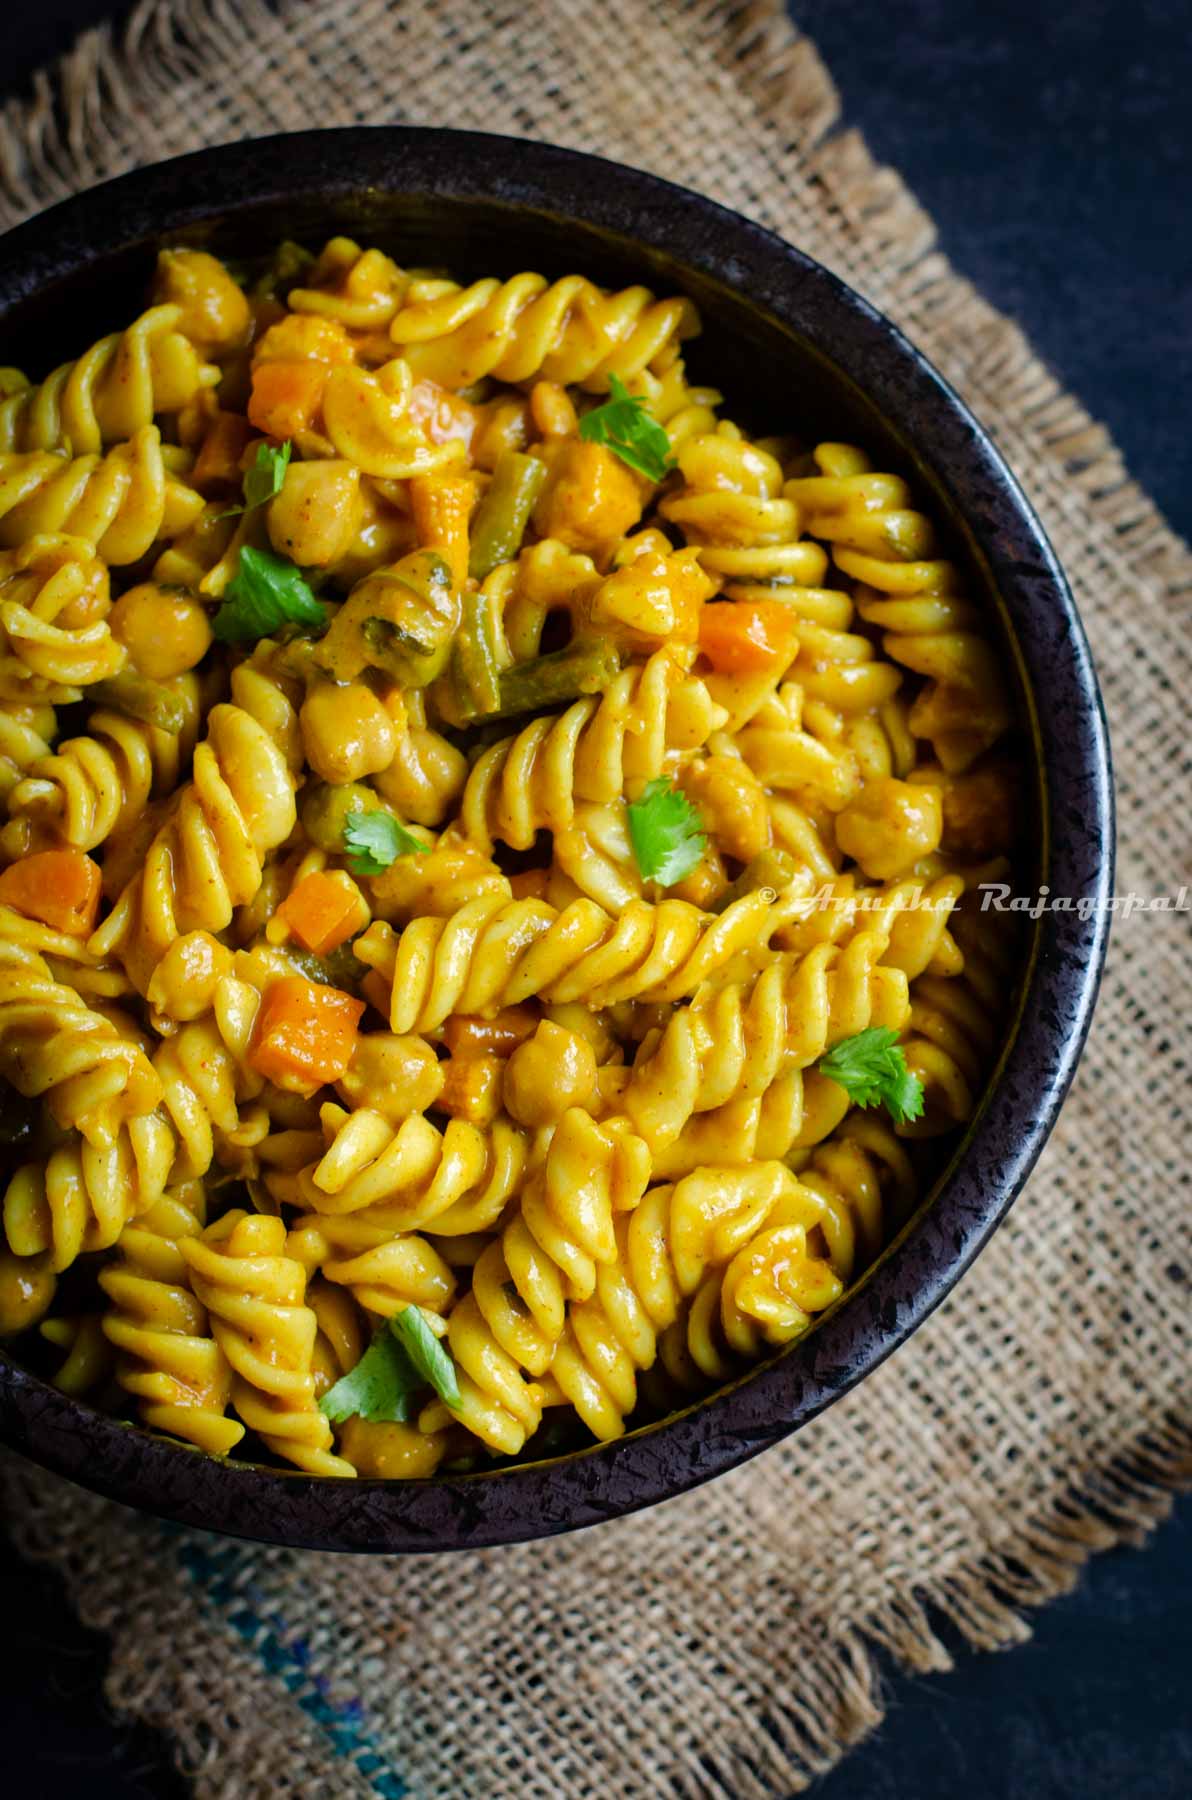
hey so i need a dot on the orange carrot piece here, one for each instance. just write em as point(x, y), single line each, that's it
point(466, 1036)
point(59, 887)
point(324, 910)
point(304, 1034)
point(444, 416)
point(442, 506)
point(741, 637)
point(286, 396)
point(218, 462)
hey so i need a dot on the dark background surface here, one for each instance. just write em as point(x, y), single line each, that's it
point(1053, 145)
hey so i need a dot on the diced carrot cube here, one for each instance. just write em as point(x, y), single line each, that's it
point(286, 396)
point(742, 637)
point(324, 910)
point(304, 1034)
point(59, 887)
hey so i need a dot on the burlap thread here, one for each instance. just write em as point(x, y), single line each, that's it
point(721, 1645)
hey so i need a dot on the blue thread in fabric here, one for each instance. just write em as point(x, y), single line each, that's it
point(215, 1571)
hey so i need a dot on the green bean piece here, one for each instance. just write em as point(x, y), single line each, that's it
point(556, 678)
point(475, 675)
point(503, 514)
point(401, 620)
point(340, 968)
point(150, 701)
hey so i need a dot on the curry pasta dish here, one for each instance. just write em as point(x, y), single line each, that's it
point(488, 916)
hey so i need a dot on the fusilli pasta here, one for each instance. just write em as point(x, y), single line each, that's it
point(480, 827)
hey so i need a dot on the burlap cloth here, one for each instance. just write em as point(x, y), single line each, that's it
point(721, 1645)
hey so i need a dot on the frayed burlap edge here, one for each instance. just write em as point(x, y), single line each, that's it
point(68, 135)
point(836, 1696)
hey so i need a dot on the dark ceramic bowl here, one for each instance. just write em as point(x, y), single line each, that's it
point(789, 344)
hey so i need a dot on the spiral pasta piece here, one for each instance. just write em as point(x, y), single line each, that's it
point(911, 595)
point(956, 1025)
point(665, 1248)
point(54, 635)
point(531, 782)
point(87, 1356)
point(52, 1044)
point(735, 1042)
point(360, 289)
point(81, 1197)
point(167, 1358)
point(97, 786)
point(255, 1297)
point(568, 331)
point(208, 857)
point(121, 502)
point(26, 735)
point(205, 1078)
point(369, 423)
point(410, 1177)
point(514, 1315)
point(495, 952)
point(731, 495)
point(114, 390)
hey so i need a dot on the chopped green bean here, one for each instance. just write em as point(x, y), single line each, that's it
point(503, 514)
point(552, 680)
point(150, 701)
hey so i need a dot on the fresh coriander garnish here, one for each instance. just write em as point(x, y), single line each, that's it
point(667, 833)
point(426, 1352)
point(266, 592)
point(373, 840)
point(871, 1069)
point(403, 1359)
point(265, 477)
point(630, 433)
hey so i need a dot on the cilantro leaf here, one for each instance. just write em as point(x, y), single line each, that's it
point(381, 1386)
point(871, 1069)
point(373, 840)
point(268, 472)
point(630, 433)
point(666, 832)
point(264, 479)
point(266, 591)
point(426, 1352)
point(404, 1358)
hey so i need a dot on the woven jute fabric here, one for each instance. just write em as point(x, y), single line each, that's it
point(724, 1644)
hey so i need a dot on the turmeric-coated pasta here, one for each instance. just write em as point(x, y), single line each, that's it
point(488, 863)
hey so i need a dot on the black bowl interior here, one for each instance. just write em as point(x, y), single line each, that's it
point(793, 350)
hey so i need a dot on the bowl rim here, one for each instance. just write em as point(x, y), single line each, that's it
point(1024, 1094)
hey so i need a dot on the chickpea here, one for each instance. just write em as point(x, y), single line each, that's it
point(394, 1075)
point(215, 312)
point(184, 981)
point(27, 1285)
point(732, 804)
point(346, 732)
point(889, 826)
point(551, 1071)
point(315, 517)
point(164, 632)
point(590, 497)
